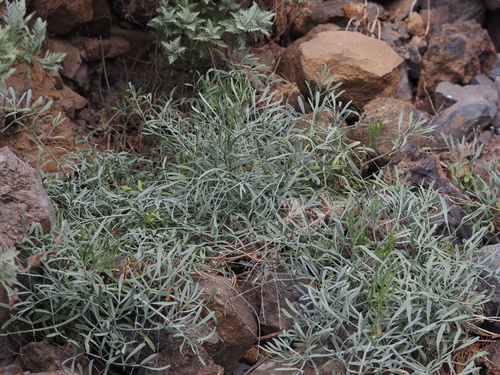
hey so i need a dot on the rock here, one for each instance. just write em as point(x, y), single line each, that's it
point(389, 110)
point(39, 357)
point(332, 11)
point(71, 102)
point(275, 291)
point(100, 25)
point(492, 22)
point(396, 36)
point(492, 4)
point(415, 25)
point(488, 158)
point(63, 16)
point(495, 69)
point(49, 87)
point(399, 9)
point(12, 369)
point(138, 12)
point(286, 67)
point(436, 16)
point(456, 53)
point(490, 363)
point(97, 49)
point(269, 367)
point(71, 62)
point(420, 169)
point(489, 257)
point(367, 67)
point(236, 320)
point(448, 94)
point(481, 79)
point(141, 42)
point(181, 360)
point(464, 117)
point(405, 87)
point(458, 9)
point(21, 198)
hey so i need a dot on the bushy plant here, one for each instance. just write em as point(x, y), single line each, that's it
point(239, 180)
point(189, 30)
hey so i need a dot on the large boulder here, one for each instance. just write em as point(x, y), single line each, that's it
point(63, 16)
point(286, 67)
point(367, 67)
point(22, 199)
point(456, 53)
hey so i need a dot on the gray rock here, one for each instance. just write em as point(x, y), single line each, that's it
point(21, 198)
point(405, 88)
point(464, 117)
point(488, 258)
point(484, 80)
point(447, 94)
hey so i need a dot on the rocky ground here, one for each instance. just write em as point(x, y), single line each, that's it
point(393, 56)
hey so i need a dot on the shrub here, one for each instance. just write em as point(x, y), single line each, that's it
point(189, 30)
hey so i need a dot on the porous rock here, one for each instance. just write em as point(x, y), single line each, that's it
point(63, 16)
point(387, 110)
point(21, 198)
point(367, 67)
point(448, 94)
point(462, 119)
point(456, 53)
point(420, 169)
point(236, 320)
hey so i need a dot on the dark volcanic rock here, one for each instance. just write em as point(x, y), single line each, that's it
point(456, 53)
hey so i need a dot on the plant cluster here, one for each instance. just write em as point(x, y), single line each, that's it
point(190, 30)
point(237, 180)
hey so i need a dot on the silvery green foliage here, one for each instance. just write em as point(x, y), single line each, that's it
point(189, 29)
point(19, 42)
